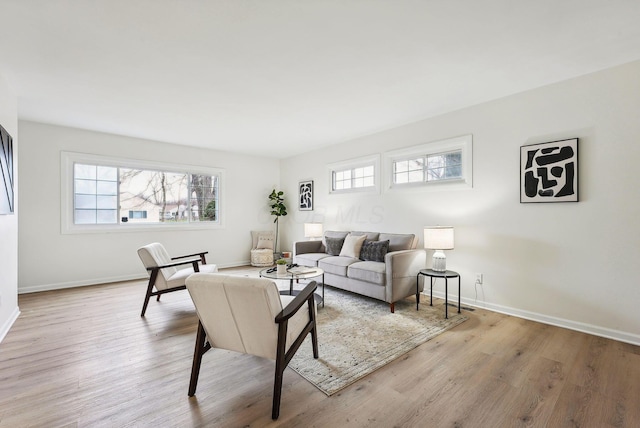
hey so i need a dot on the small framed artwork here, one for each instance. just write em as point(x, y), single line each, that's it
point(305, 198)
point(6, 171)
point(549, 172)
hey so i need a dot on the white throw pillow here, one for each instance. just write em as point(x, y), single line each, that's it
point(352, 246)
point(264, 244)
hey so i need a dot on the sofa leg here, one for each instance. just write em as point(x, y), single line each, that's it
point(392, 306)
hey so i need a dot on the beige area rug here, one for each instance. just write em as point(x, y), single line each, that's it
point(358, 335)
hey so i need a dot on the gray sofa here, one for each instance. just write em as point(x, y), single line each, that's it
point(390, 280)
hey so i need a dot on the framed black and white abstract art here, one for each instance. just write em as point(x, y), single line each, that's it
point(305, 198)
point(6, 170)
point(549, 172)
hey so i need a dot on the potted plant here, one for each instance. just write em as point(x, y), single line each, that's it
point(278, 209)
point(281, 265)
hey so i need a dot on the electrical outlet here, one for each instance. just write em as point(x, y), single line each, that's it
point(479, 278)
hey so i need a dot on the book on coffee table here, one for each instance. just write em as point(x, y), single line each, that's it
point(299, 270)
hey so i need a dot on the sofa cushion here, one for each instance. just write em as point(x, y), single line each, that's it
point(374, 272)
point(310, 259)
point(371, 236)
point(374, 251)
point(398, 242)
point(336, 265)
point(352, 245)
point(334, 245)
point(331, 234)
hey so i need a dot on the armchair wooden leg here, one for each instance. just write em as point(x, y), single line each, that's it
point(314, 331)
point(392, 306)
point(281, 364)
point(200, 349)
point(146, 298)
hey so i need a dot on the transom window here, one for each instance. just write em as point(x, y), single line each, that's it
point(447, 163)
point(355, 175)
point(435, 167)
point(354, 178)
point(116, 193)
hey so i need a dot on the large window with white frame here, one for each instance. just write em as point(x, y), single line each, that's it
point(102, 193)
point(441, 164)
point(356, 175)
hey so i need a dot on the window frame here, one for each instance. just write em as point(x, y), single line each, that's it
point(351, 164)
point(69, 159)
point(464, 144)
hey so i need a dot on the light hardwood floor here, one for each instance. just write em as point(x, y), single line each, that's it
point(84, 357)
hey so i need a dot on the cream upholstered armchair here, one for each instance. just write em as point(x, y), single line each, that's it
point(262, 247)
point(163, 270)
point(248, 315)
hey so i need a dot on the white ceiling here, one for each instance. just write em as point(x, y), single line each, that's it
point(277, 78)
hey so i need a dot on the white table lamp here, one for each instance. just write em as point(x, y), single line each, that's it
point(438, 238)
point(313, 231)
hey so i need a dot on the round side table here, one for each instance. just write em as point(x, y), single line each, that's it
point(437, 274)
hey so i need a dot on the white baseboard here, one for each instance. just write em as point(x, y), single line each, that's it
point(235, 264)
point(83, 283)
point(105, 280)
point(7, 325)
point(618, 335)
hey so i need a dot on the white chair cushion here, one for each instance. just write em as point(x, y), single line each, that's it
point(153, 255)
point(298, 321)
point(238, 313)
point(178, 279)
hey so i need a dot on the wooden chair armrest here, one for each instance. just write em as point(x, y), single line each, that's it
point(184, 262)
point(190, 255)
point(291, 309)
point(201, 255)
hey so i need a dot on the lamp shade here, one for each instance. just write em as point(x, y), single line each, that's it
point(438, 238)
point(312, 230)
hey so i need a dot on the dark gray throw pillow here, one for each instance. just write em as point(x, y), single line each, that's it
point(334, 245)
point(374, 251)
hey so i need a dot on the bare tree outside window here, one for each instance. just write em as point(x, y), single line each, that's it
point(444, 166)
point(204, 190)
point(435, 167)
point(167, 191)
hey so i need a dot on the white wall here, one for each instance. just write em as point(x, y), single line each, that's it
point(570, 264)
point(9, 223)
point(49, 259)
